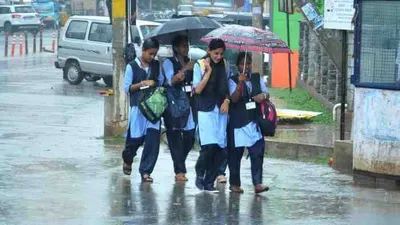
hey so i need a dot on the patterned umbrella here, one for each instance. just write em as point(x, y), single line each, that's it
point(245, 38)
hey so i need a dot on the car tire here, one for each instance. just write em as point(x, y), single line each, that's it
point(73, 73)
point(8, 27)
point(108, 80)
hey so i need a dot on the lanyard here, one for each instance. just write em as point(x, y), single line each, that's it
point(147, 72)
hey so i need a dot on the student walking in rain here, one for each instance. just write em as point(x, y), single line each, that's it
point(178, 72)
point(247, 91)
point(142, 73)
point(211, 87)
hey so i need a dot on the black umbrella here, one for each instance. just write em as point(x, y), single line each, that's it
point(194, 27)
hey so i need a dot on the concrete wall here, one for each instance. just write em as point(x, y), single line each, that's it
point(317, 70)
point(376, 131)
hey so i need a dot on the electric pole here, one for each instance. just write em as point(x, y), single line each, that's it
point(257, 9)
point(116, 106)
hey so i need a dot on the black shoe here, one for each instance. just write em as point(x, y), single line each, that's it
point(200, 183)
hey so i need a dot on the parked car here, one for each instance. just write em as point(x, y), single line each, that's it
point(185, 10)
point(85, 48)
point(18, 17)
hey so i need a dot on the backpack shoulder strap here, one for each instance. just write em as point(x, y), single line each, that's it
point(226, 64)
point(235, 78)
point(135, 68)
point(155, 70)
point(255, 83)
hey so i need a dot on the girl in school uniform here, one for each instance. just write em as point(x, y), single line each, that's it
point(210, 83)
point(178, 72)
point(247, 91)
point(140, 74)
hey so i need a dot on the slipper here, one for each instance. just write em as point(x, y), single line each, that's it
point(127, 169)
point(147, 179)
point(261, 188)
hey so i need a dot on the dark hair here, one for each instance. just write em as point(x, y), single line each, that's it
point(241, 56)
point(216, 44)
point(178, 40)
point(150, 43)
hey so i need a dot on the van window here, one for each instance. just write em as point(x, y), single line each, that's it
point(5, 10)
point(100, 32)
point(24, 9)
point(147, 29)
point(77, 30)
point(134, 33)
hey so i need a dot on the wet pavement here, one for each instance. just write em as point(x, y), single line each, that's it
point(56, 169)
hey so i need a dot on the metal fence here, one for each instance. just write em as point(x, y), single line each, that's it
point(377, 44)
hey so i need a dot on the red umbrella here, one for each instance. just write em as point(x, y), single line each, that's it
point(244, 38)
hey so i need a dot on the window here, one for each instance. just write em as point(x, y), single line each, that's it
point(44, 8)
point(77, 30)
point(146, 29)
point(377, 47)
point(223, 3)
point(135, 33)
point(5, 10)
point(24, 9)
point(100, 32)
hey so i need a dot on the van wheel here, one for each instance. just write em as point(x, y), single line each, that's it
point(7, 27)
point(108, 80)
point(73, 73)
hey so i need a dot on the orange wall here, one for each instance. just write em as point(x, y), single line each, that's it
point(279, 70)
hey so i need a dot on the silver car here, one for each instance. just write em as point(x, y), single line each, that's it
point(85, 48)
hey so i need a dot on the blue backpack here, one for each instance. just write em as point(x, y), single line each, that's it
point(177, 113)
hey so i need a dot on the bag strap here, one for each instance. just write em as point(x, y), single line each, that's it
point(134, 67)
point(255, 83)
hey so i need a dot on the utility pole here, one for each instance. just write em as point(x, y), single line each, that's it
point(115, 105)
point(176, 3)
point(257, 9)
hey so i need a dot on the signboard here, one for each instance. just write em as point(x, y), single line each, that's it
point(338, 14)
point(312, 15)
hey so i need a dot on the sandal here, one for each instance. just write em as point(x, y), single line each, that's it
point(147, 179)
point(260, 189)
point(236, 189)
point(127, 169)
point(181, 177)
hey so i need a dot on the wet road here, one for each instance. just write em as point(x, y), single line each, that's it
point(56, 169)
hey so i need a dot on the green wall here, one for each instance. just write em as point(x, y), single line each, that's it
point(278, 23)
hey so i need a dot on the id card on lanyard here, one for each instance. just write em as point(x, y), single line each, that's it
point(250, 105)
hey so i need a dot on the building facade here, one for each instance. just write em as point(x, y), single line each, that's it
point(376, 126)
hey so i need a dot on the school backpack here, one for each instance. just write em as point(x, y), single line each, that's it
point(268, 119)
point(178, 110)
point(130, 53)
point(152, 103)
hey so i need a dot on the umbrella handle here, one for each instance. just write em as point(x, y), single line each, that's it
point(245, 59)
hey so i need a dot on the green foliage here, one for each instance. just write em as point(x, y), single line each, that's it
point(300, 99)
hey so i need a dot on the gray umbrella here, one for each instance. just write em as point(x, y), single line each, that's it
point(194, 27)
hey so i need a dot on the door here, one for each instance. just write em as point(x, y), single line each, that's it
point(99, 48)
point(73, 46)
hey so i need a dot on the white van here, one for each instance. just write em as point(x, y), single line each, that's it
point(85, 48)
